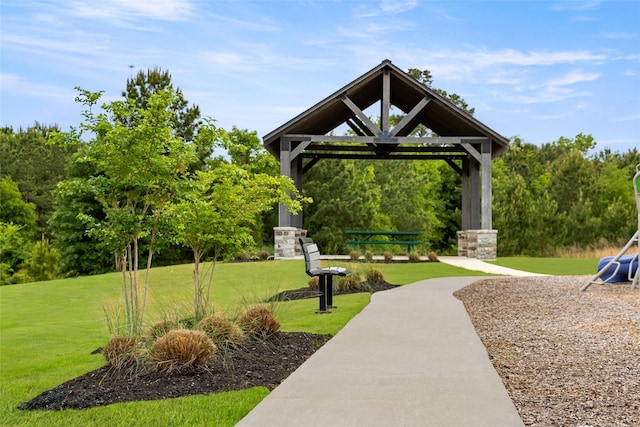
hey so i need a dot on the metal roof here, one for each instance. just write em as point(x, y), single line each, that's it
point(439, 115)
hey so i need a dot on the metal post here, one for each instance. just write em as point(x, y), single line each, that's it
point(329, 298)
point(323, 295)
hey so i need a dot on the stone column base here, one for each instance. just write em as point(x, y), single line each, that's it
point(285, 242)
point(480, 244)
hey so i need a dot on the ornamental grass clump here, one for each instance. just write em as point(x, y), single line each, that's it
point(242, 257)
point(221, 330)
point(314, 283)
point(182, 349)
point(368, 255)
point(374, 276)
point(432, 257)
point(348, 283)
point(161, 328)
point(123, 352)
point(414, 257)
point(258, 321)
point(354, 255)
point(388, 256)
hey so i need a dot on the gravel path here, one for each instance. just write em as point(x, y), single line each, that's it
point(567, 358)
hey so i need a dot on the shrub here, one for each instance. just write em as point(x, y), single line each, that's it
point(375, 276)
point(388, 256)
point(258, 321)
point(348, 283)
point(432, 257)
point(414, 257)
point(242, 257)
point(264, 255)
point(161, 328)
point(121, 352)
point(182, 349)
point(221, 330)
point(44, 263)
point(314, 283)
point(368, 255)
point(354, 255)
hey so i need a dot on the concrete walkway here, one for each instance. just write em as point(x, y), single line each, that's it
point(410, 358)
point(479, 265)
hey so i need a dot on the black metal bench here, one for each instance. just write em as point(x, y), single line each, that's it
point(325, 275)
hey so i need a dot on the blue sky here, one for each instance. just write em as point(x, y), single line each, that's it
point(534, 69)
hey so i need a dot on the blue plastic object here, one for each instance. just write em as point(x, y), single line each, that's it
point(619, 271)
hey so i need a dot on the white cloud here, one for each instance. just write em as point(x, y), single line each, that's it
point(70, 42)
point(386, 7)
point(574, 5)
point(573, 77)
point(13, 83)
point(165, 10)
point(631, 118)
point(618, 36)
point(394, 7)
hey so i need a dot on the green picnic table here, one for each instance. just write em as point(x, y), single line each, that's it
point(367, 237)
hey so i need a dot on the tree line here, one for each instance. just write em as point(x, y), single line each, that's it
point(60, 190)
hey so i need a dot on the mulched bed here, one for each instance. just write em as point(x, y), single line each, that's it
point(304, 293)
point(567, 358)
point(258, 362)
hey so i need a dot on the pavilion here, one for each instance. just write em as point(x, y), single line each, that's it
point(456, 137)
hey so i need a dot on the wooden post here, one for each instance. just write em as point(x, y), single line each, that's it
point(285, 219)
point(486, 222)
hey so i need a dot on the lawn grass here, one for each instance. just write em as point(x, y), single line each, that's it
point(552, 266)
point(49, 329)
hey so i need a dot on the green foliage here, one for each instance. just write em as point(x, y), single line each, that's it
point(44, 262)
point(14, 251)
point(382, 195)
point(76, 198)
point(138, 162)
point(185, 119)
point(215, 213)
point(36, 166)
point(17, 227)
point(14, 209)
point(555, 196)
point(354, 206)
point(245, 149)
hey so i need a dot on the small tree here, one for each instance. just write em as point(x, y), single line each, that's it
point(216, 215)
point(44, 263)
point(139, 162)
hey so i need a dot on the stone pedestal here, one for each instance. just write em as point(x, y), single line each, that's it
point(285, 242)
point(480, 244)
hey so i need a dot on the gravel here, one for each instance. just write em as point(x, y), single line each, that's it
point(567, 358)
